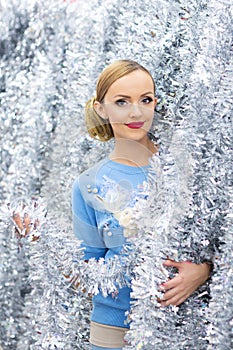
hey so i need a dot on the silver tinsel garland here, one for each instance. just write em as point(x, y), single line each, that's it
point(52, 54)
point(28, 83)
point(207, 132)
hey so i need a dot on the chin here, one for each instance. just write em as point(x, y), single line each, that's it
point(137, 137)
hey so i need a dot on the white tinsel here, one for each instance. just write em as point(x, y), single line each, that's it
point(52, 53)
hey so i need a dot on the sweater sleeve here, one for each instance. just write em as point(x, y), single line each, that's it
point(85, 225)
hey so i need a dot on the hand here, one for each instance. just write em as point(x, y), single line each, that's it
point(24, 226)
point(189, 278)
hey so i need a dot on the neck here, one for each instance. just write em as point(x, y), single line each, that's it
point(133, 153)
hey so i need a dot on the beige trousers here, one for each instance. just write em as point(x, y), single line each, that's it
point(107, 336)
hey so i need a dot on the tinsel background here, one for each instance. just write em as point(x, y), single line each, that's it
point(51, 55)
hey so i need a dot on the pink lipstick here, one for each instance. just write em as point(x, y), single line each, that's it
point(135, 125)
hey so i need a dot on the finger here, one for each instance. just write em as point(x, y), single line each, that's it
point(175, 296)
point(172, 293)
point(180, 301)
point(18, 222)
point(166, 303)
point(175, 301)
point(27, 223)
point(174, 282)
point(26, 219)
point(172, 263)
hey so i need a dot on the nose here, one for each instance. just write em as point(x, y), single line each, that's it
point(135, 111)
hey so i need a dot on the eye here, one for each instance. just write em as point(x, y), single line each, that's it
point(147, 100)
point(121, 102)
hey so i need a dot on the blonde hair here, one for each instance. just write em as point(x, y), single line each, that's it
point(98, 127)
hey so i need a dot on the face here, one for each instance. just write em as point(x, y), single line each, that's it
point(129, 105)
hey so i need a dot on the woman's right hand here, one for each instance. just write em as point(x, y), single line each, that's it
point(23, 226)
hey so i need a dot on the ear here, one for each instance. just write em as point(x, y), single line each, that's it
point(155, 102)
point(100, 110)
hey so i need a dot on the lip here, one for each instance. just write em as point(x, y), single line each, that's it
point(135, 125)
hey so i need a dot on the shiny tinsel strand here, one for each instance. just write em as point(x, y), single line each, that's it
point(31, 50)
point(73, 150)
point(220, 312)
point(196, 236)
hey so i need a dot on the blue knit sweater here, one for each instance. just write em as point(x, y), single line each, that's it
point(98, 194)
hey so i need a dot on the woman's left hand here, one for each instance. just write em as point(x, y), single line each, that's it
point(189, 278)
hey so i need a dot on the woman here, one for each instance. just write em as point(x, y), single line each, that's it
point(123, 109)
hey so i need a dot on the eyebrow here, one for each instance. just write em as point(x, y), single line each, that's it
point(145, 93)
